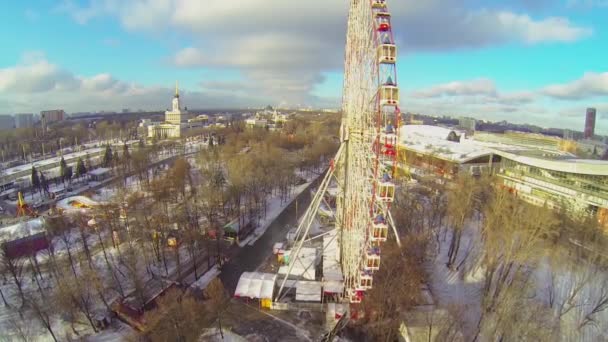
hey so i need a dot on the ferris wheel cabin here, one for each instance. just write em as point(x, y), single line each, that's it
point(383, 20)
point(365, 281)
point(389, 95)
point(385, 191)
point(372, 259)
point(379, 230)
point(381, 4)
point(387, 54)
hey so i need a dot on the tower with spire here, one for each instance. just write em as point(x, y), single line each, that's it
point(174, 116)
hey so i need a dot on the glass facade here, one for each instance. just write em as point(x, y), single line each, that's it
point(589, 192)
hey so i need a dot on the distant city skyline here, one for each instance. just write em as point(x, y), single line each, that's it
point(536, 62)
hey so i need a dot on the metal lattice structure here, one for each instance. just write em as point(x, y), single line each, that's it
point(366, 162)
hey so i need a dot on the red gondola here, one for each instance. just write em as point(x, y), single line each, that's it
point(384, 27)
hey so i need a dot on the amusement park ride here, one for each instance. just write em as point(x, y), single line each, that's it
point(366, 162)
point(23, 209)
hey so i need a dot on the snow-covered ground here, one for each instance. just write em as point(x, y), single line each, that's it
point(11, 323)
point(459, 289)
point(70, 157)
point(568, 287)
point(203, 281)
point(275, 207)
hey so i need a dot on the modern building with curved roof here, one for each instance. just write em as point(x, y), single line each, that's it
point(538, 175)
point(579, 184)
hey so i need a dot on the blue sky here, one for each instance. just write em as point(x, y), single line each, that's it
point(536, 61)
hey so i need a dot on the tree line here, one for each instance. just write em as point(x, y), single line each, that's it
point(160, 224)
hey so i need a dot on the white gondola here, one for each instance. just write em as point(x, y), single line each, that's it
point(372, 259)
point(366, 281)
point(389, 95)
point(379, 232)
point(379, 4)
point(382, 14)
point(385, 191)
point(387, 54)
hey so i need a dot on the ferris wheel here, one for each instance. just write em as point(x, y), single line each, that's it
point(366, 162)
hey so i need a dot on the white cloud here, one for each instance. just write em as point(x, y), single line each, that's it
point(547, 30)
point(481, 91)
point(36, 84)
point(189, 57)
point(296, 42)
point(33, 76)
point(480, 86)
point(590, 85)
point(482, 99)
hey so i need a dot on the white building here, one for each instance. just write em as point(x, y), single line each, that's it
point(256, 122)
point(542, 176)
point(175, 121)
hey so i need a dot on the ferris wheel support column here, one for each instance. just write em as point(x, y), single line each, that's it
point(345, 187)
point(392, 224)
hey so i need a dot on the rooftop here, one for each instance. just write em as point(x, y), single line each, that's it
point(434, 140)
point(54, 160)
point(22, 229)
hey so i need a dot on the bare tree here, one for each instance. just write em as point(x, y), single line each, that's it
point(21, 329)
point(218, 301)
point(177, 317)
point(134, 274)
point(60, 226)
point(512, 233)
point(15, 267)
point(396, 287)
point(461, 205)
point(42, 312)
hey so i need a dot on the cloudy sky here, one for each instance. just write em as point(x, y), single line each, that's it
point(535, 61)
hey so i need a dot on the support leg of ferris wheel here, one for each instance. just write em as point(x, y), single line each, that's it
point(307, 220)
point(392, 224)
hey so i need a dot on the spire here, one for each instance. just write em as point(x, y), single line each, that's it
point(176, 89)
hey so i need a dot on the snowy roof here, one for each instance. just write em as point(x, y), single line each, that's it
point(255, 285)
point(67, 203)
point(331, 266)
point(303, 265)
point(434, 140)
point(100, 171)
point(333, 286)
point(50, 161)
point(308, 291)
point(22, 229)
point(204, 281)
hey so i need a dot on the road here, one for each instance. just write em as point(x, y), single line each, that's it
point(248, 258)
